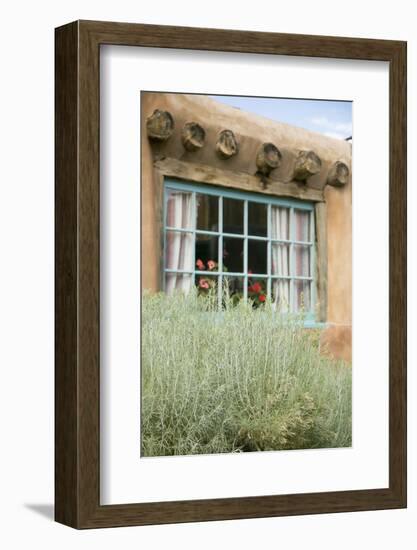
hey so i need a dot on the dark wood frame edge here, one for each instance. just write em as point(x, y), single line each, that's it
point(77, 359)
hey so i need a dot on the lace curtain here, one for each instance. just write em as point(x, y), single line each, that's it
point(302, 261)
point(280, 258)
point(179, 245)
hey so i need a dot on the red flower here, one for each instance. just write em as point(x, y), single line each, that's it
point(256, 287)
point(211, 265)
point(262, 297)
point(200, 265)
point(203, 283)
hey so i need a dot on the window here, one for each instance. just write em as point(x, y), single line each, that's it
point(258, 245)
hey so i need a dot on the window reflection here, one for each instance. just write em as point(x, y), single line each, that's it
point(207, 212)
point(257, 256)
point(232, 216)
point(257, 219)
point(233, 254)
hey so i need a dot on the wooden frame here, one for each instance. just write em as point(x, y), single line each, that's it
point(77, 274)
point(240, 181)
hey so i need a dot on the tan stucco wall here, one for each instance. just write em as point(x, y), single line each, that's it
point(149, 235)
point(251, 131)
point(337, 339)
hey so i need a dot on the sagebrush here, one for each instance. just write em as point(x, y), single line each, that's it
point(236, 380)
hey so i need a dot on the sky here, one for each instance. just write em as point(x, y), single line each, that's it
point(332, 118)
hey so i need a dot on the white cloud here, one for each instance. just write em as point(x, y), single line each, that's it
point(336, 135)
point(334, 129)
point(320, 121)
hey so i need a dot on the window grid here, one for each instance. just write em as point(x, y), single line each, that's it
point(220, 255)
point(269, 252)
point(269, 276)
point(194, 209)
point(245, 250)
point(312, 263)
point(292, 270)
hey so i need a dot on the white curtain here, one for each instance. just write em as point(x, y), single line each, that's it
point(280, 258)
point(302, 261)
point(179, 246)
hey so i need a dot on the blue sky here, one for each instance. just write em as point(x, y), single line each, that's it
point(332, 118)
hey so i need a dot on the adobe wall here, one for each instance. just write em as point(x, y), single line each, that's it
point(251, 131)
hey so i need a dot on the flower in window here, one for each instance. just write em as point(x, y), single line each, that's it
point(256, 288)
point(257, 293)
point(211, 265)
point(203, 283)
point(200, 265)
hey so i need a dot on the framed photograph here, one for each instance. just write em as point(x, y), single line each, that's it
point(230, 274)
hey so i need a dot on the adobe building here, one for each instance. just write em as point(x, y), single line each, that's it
point(201, 148)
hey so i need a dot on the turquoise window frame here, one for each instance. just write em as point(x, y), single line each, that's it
point(247, 196)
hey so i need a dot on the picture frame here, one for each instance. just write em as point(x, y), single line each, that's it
point(77, 291)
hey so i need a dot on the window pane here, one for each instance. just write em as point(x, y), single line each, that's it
point(175, 283)
point(232, 290)
point(302, 260)
point(302, 225)
point(280, 223)
point(233, 254)
point(179, 251)
point(302, 297)
point(179, 209)
point(206, 252)
point(257, 256)
point(257, 290)
point(280, 259)
point(188, 252)
point(207, 212)
point(257, 219)
point(281, 295)
point(232, 216)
